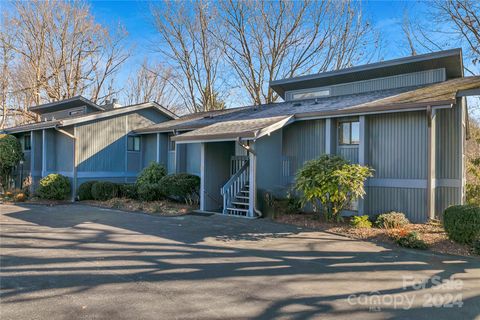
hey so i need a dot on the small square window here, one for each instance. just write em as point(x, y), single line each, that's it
point(349, 133)
point(133, 143)
point(27, 142)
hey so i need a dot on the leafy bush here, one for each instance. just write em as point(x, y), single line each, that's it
point(182, 187)
point(149, 191)
point(128, 190)
point(54, 187)
point(412, 240)
point(462, 223)
point(361, 222)
point(104, 190)
point(85, 190)
point(391, 220)
point(476, 246)
point(10, 155)
point(472, 194)
point(333, 182)
point(153, 173)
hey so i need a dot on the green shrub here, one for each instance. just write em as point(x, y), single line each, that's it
point(412, 240)
point(333, 182)
point(149, 191)
point(360, 222)
point(462, 223)
point(54, 187)
point(10, 155)
point(85, 190)
point(104, 190)
point(391, 220)
point(181, 187)
point(476, 246)
point(153, 173)
point(128, 190)
point(472, 194)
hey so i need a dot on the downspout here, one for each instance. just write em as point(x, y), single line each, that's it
point(253, 184)
point(72, 136)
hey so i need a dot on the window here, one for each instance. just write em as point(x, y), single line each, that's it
point(310, 94)
point(349, 132)
point(27, 143)
point(133, 143)
point(75, 112)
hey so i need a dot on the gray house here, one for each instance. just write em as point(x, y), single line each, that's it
point(84, 141)
point(406, 118)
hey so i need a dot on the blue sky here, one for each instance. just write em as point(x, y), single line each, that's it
point(135, 17)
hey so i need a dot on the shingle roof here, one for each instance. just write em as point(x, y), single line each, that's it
point(235, 122)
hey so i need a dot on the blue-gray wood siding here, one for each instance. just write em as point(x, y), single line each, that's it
point(269, 166)
point(302, 141)
point(192, 158)
point(216, 172)
point(392, 82)
point(148, 149)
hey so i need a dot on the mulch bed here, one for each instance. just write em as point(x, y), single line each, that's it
point(160, 208)
point(432, 233)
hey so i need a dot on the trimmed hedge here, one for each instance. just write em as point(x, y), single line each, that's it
point(127, 190)
point(153, 173)
point(182, 187)
point(149, 191)
point(104, 190)
point(462, 223)
point(391, 220)
point(54, 187)
point(85, 190)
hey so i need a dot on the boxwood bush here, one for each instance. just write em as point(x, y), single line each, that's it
point(104, 190)
point(412, 240)
point(181, 187)
point(360, 222)
point(149, 191)
point(85, 190)
point(153, 173)
point(462, 223)
point(54, 187)
point(391, 220)
point(127, 190)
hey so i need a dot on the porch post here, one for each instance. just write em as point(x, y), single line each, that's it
point(362, 156)
point(328, 136)
point(158, 147)
point(44, 153)
point(431, 113)
point(253, 185)
point(202, 176)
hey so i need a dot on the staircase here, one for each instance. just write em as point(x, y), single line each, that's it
point(236, 192)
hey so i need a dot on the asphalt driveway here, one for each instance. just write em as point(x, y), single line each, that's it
point(80, 262)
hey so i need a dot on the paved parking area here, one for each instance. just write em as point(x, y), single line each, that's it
point(81, 262)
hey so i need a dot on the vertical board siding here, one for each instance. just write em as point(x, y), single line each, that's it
point(64, 152)
point(134, 161)
point(171, 162)
point(385, 83)
point(37, 154)
point(149, 149)
point(269, 165)
point(447, 145)
point(348, 153)
point(102, 145)
point(412, 202)
point(51, 149)
point(192, 161)
point(303, 141)
point(397, 146)
point(445, 197)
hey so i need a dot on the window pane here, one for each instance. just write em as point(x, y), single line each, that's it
point(344, 133)
point(137, 144)
point(26, 142)
point(130, 143)
point(355, 133)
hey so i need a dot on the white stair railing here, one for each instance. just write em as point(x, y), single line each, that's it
point(234, 185)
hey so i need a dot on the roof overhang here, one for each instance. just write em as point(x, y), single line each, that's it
point(73, 102)
point(451, 60)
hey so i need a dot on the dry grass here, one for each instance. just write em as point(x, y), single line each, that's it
point(432, 233)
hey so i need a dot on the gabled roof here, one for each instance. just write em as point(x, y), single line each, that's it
point(73, 102)
point(90, 117)
point(451, 60)
point(246, 121)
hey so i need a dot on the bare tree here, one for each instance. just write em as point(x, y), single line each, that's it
point(59, 52)
point(265, 41)
point(153, 83)
point(191, 50)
